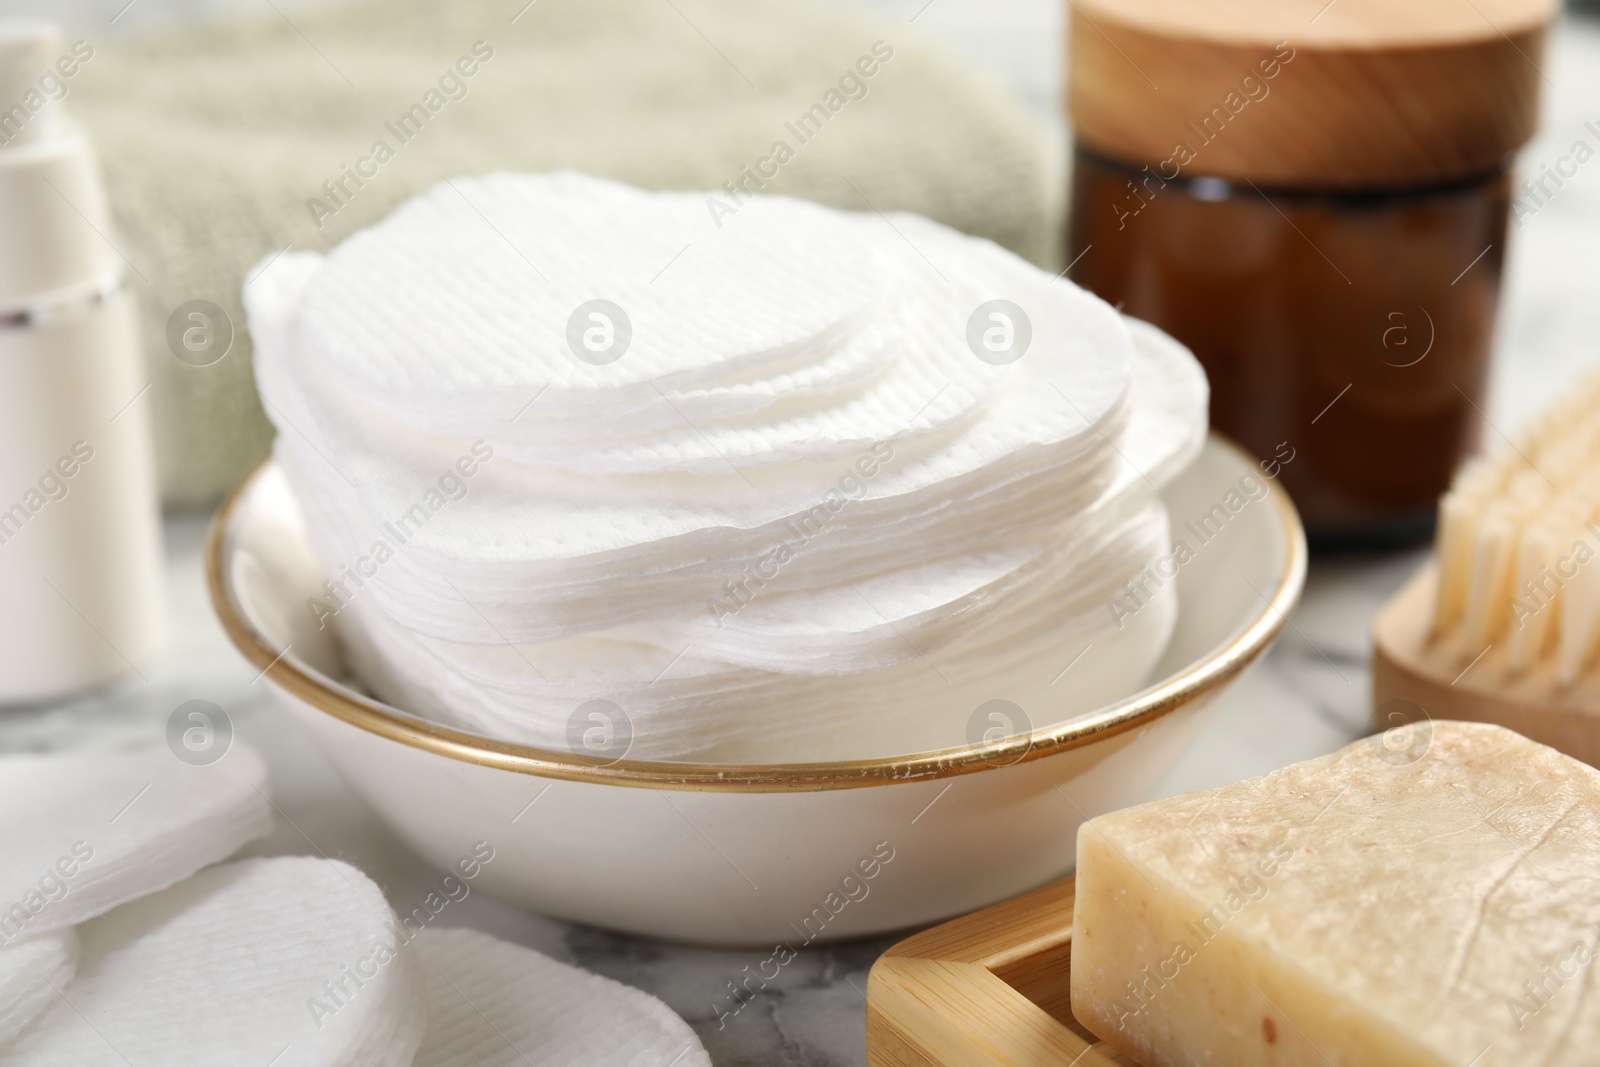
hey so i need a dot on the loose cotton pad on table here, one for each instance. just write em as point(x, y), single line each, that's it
point(32, 974)
point(803, 484)
point(289, 962)
point(494, 1004)
point(85, 831)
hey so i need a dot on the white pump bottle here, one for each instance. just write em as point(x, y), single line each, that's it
point(82, 590)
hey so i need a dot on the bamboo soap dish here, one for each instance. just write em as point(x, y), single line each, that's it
point(1417, 676)
point(990, 987)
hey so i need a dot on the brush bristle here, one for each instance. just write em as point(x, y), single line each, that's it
point(1517, 534)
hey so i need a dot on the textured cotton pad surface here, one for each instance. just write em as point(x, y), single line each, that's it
point(448, 266)
point(246, 963)
point(85, 831)
point(494, 1004)
point(32, 973)
point(831, 467)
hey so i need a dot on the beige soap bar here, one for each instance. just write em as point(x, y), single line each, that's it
point(1423, 897)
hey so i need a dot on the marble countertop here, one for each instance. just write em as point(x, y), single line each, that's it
point(1308, 696)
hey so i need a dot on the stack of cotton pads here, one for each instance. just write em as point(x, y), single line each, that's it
point(776, 484)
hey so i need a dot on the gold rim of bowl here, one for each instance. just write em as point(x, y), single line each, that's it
point(1183, 688)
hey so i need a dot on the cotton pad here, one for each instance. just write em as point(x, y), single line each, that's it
point(449, 268)
point(32, 974)
point(289, 961)
point(837, 467)
point(86, 831)
point(494, 1004)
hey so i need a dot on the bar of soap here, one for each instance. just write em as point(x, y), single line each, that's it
point(1426, 897)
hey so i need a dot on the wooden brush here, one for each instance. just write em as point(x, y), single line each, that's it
point(1502, 626)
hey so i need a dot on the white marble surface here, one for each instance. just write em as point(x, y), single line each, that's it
point(1309, 696)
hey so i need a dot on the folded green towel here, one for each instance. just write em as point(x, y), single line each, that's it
point(225, 144)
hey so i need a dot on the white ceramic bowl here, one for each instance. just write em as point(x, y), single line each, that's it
point(758, 854)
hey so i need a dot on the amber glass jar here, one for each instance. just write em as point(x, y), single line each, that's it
point(1318, 207)
point(1369, 364)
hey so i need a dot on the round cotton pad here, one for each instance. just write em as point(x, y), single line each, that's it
point(85, 831)
point(494, 1004)
point(289, 962)
point(456, 269)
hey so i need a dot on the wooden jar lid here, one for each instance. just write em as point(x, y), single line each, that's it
point(1347, 94)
